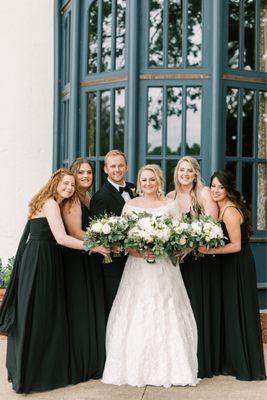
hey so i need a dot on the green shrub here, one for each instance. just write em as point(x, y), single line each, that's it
point(5, 272)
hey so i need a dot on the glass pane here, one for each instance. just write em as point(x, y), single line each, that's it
point(247, 136)
point(66, 130)
point(194, 34)
point(247, 184)
point(249, 40)
point(105, 122)
point(193, 120)
point(91, 124)
point(263, 35)
point(120, 34)
point(262, 131)
point(156, 33)
point(232, 167)
point(119, 119)
point(231, 122)
point(174, 120)
point(106, 35)
point(92, 38)
point(154, 125)
point(175, 33)
point(262, 197)
point(169, 175)
point(233, 38)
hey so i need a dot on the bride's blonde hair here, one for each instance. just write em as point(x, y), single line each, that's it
point(198, 184)
point(157, 171)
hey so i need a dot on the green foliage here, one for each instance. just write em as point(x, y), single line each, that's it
point(5, 272)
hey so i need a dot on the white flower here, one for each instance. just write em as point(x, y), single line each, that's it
point(96, 227)
point(196, 227)
point(182, 241)
point(106, 229)
point(207, 226)
point(216, 232)
point(145, 223)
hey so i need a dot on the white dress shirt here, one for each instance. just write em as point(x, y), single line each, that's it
point(125, 195)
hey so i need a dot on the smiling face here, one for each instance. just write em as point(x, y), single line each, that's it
point(84, 176)
point(217, 190)
point(148, 182)
point(66, 187)
point(185, 174)
point(116, 168)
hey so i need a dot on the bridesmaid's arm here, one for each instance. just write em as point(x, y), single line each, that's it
point(51, 211)
point(232, 220)
point(210, 206)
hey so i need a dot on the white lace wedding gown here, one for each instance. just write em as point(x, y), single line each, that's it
point(151, 332)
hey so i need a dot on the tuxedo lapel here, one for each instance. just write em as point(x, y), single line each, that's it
point(115, 196)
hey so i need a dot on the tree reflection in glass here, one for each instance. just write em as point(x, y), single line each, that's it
point(233, 34)
point(92, 38)
point(248, 122)
point(263, 36)
point(247, 183)
point(193, 120)
point(262, 125)
point(175, 33)
point(194, 33)
point(156, 33)
point(262, 197)
point(154, 125)
point(119, 119)
point(174, 120)
point(104, 122)
point(231, 121)
point(91, 124)
point(106, 35)
point(120, 33)
point(249, 43)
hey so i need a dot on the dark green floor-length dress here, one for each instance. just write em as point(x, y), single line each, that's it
point(37, 350)
point(243, 350)
point(85, 311)
point(202, 279)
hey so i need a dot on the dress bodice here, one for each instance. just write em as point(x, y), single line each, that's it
point(244, 232)
point(40, 229)
point(168, 210)
point(85, 217)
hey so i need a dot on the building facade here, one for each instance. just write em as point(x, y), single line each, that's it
point(161, 79)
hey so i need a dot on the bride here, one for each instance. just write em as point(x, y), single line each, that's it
point(151, 332)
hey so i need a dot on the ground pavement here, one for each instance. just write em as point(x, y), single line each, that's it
point(217, 388)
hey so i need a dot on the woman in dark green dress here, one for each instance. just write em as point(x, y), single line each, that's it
point(84, 287)
point(242, 354)
point(33, 314)
point(202, 276)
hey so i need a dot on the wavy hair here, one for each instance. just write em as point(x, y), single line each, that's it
point(158, 174)
point(50, 191)
point(198, 184)
point(74, 168)
point(226, 179)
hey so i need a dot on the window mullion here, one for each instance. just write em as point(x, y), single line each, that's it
point(164, 130)
point(112, 118)
point(183, 146)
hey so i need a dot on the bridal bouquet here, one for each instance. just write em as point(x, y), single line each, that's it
point(211, 232)
point(148, 232)
point(108, 231)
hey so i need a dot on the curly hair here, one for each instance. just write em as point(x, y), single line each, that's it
point(196, 205)
point(158, 174)
point(50, 191)
point(226, 179)
point(74, 168)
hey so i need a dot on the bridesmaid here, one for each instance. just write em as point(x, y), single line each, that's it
point(243, 351)
point(33, 313)
point(201, 276)
point(83, 283)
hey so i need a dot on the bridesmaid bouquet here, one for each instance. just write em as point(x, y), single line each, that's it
point(211, 232)
point(108, 231)
point(148, 232)
point(182, 239)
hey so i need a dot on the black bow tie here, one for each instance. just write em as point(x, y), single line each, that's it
point(125, 189)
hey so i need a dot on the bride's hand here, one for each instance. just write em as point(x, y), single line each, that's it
point(148, 255)
point(134, 253)
point(101, 250)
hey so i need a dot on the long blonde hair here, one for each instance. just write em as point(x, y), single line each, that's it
point(158, 175)
point(50, 191)
point(198, 184)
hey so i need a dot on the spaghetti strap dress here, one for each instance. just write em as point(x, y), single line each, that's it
point(243, 349)
point(37, 348)
point(85, 312)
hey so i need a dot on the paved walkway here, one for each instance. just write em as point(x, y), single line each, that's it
point(217, 388)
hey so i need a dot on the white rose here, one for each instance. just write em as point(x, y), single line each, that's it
point(216, 232)
point(106, 229)
point(196, 227)
point(182, 241)
point(207, 227)
point(145, 223)
point(96, 227)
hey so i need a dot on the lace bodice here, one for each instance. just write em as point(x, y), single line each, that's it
point(170, 210)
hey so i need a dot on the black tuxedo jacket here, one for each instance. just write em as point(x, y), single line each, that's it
point(108, 199)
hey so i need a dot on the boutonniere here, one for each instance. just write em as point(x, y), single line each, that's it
point(134, 192)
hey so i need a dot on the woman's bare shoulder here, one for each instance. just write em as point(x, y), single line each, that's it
point(171, 195)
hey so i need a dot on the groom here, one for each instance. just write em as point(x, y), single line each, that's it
point(111, 198)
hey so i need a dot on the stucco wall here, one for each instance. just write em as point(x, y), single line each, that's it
point(26, 111)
